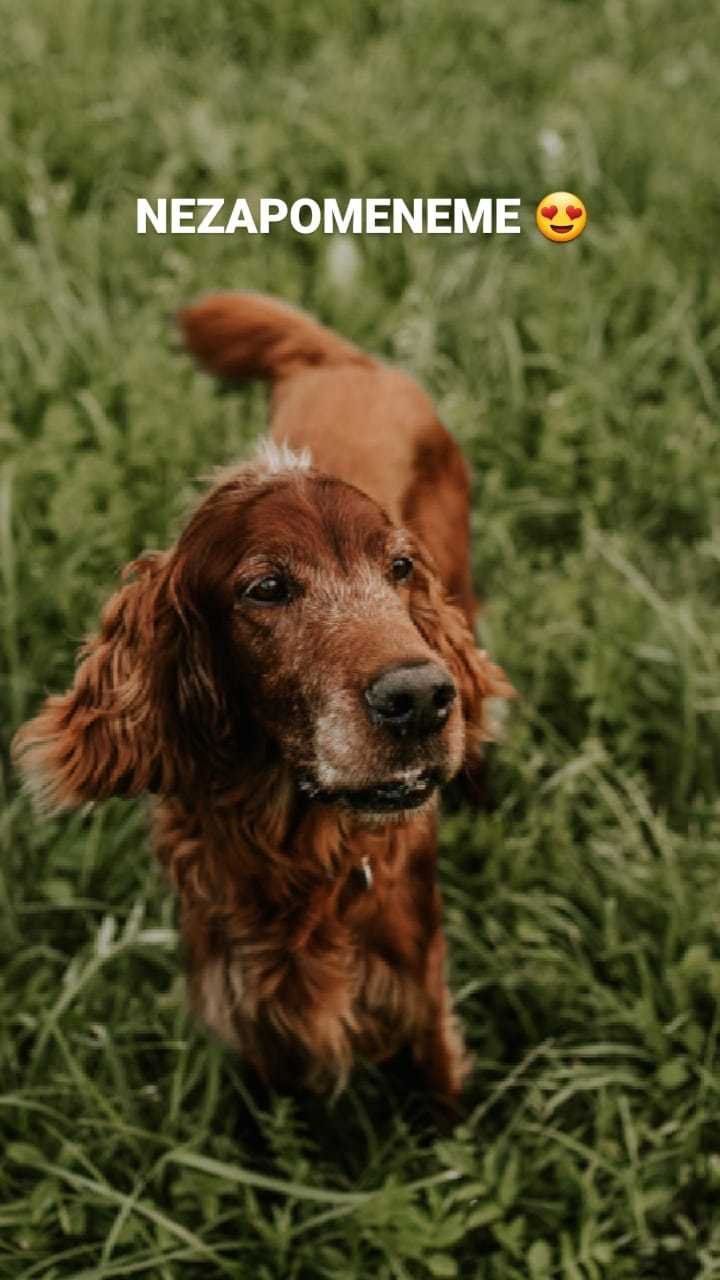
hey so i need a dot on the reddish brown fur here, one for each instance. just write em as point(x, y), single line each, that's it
point(223, 707)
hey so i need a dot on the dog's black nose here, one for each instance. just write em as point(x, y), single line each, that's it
point(411, 701)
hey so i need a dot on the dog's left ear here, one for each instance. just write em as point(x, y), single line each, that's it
point(103, 736)
point(444, 627)
point(145, 711)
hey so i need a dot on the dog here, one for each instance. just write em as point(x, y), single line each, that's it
point(294, 680)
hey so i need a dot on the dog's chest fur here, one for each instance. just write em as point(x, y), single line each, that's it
point(304, 956)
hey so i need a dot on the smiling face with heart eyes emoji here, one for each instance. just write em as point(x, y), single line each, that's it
point(561, 216)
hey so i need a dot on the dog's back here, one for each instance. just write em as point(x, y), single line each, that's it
point(363, 422)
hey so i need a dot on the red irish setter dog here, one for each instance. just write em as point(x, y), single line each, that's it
point(294, 679)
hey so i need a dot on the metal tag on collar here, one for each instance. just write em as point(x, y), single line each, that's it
point(367, 872)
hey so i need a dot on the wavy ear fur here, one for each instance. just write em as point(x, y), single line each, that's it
point(143, 712)
point(101, 737)
point(444, 627)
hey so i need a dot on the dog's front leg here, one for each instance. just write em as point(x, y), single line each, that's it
point(439, 1048)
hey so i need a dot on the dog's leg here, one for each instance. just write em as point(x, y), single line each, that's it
point(440, 1049)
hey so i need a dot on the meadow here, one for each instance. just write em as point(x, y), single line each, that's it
point(583, 901)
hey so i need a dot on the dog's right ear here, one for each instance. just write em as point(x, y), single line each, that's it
point(104, 737)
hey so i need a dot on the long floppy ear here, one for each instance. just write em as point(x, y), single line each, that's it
point(103, 737)
point(144, 712)
point(444, 627)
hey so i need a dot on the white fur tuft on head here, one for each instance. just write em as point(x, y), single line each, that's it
point(275, 456)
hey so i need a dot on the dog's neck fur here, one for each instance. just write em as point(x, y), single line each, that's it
point(269, 833)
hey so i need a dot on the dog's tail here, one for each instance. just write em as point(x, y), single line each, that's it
point(239, 336)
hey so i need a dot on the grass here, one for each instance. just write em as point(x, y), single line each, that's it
point(583, 908)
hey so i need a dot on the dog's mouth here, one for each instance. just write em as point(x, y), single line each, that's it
point(407, 791)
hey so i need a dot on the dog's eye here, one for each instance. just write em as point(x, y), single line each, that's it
point(274, 589)
point(401, 568)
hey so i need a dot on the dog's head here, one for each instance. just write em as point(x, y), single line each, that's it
point(291, 622)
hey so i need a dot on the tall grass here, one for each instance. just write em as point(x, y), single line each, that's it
point(583, 907)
